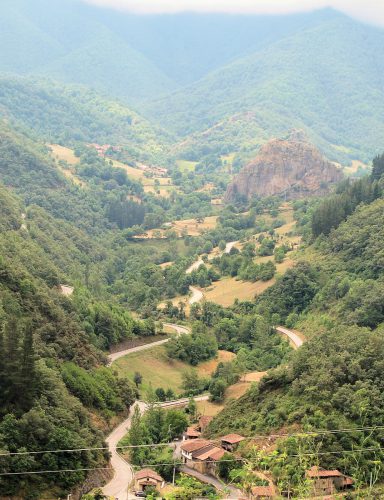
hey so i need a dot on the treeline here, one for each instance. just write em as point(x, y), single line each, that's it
point(332, 211)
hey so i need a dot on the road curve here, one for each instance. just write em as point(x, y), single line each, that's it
point(123, 471)
point(116, 355)
point(295, 339)
point(197, 295)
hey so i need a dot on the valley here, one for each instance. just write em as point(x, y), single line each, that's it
point(191, 252)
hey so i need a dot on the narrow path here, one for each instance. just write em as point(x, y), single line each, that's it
point(296, 339)
point(178, 328)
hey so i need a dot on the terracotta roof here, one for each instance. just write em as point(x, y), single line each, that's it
point(191, 431)
point(194, 444)
point(204, 421)
point(144, 473)
point(232, 438)
point(214, 453)
point(262, 491)
point(316, 472)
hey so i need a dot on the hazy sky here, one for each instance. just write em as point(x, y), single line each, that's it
point(366, 10)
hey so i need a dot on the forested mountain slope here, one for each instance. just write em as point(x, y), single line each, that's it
point(69, 115)
point(335, 295)
point(41, 336)
point(65, 40)
point(319, 79)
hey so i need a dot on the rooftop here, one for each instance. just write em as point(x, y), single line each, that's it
point(214, 453)
point(232, 438)
point(194, 444)
point(316, 472)
point(192, 432)
point(144, 473)
point(262, 491)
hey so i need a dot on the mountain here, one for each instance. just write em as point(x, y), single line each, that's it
point(64, 40)
point(291, 167)
point(71, 114)
point(325, 79)
point(222, 83)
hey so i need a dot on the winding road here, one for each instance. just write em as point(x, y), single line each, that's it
point(118, 487)
point(296, 340)
point(196, 294)
point(119, 354)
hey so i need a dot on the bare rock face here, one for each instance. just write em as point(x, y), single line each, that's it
point(293, 168)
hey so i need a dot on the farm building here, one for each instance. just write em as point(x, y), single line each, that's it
point(201, 455)
point(191, 433)
point(146, 478)
point(262, 492)
point(231, 441)
point(327, 482)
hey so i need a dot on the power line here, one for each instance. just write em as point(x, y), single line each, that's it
point(341, 452)
point(260, 436)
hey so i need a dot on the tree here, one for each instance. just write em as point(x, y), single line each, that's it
point(160, 394)
point(175, 423)
point(192, 409)
point(137, 378)
point(217, 389)
point(377, 167)
point(191, 382)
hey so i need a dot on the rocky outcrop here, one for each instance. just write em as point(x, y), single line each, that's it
point(292, 167)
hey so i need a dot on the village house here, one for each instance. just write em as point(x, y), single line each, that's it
point(201, 455)
point(191, 433)
point(262, 492)
point(327, 482)
point(231, 441)
point(195, 431)
point(146, 478)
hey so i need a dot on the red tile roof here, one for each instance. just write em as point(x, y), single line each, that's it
point(232, 438)
point(316, 472)
point(192, 432)
point(144, 473)
point(214, 453)
point(194, 444)
point(262, 491)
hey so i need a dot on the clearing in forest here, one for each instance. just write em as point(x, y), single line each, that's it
point(61, 153)
point(160, 371)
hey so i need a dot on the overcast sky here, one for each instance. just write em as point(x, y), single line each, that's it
point(366, 10)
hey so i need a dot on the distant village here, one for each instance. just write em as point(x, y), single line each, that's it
point(105, 150)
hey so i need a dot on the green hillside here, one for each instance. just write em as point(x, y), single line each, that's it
point(74, 114)
point(325, 79)
point(64, 40)
point(335, 296)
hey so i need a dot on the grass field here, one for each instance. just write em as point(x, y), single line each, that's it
point(186, 166)
point(225, 291)
point(188, 227)
point(60, 153)
point(160, 371)
point(65, 154)
point(234, 391)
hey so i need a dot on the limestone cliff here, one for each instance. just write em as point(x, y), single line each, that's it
point(293, 168)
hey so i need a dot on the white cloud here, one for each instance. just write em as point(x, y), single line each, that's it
point(366, 10)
